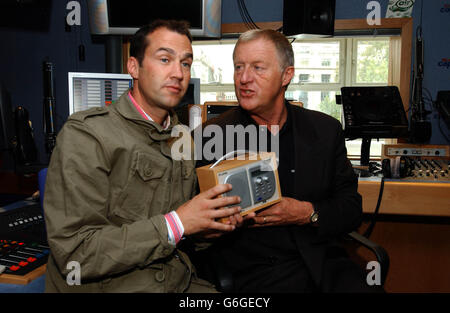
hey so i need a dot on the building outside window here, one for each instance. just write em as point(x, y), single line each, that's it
point(304, 78)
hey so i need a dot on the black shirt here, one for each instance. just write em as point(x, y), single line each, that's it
point(259, 247)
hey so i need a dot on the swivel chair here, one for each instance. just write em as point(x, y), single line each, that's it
point(216, 271)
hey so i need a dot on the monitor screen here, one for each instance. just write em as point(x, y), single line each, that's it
point(374, 112)
point(88, 90)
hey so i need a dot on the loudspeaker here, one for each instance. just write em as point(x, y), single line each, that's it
point(240, 184)
point(31, 15)
point(302, 17)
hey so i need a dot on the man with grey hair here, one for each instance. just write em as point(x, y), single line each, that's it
point(290, 246)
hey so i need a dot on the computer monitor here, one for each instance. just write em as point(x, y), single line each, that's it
point(373, 112)
point(88, 90)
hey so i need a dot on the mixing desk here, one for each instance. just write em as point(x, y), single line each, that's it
point(419, 163)
point(429, 170)
point(416, 181)
point(23, 244)
point(21, 262)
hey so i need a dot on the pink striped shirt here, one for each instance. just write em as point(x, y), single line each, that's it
point(145, 115)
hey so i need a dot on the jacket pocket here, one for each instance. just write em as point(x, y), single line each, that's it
point(188, 179)
point(150, 279)
point(145, 192)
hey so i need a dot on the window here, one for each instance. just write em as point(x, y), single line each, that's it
point(304, 78)
point(372, 61)
point(213, 64)
point(303, 97)
point(322, 67)
point(326, 63)
point(325, 78)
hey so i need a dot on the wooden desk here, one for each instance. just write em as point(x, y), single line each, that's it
point(406, 198)
point(23, 280)
point(418, 246)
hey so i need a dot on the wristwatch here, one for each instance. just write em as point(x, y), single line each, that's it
point(314, 218)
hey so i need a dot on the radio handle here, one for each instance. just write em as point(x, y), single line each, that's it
point(229, 154)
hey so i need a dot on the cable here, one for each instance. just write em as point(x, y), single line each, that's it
point(248, 15)
point(369, 229)
point(241, 12)
point(246, 18)
point(421, 11)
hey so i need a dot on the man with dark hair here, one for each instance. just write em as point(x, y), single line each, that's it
point(140, 41)
point(290, 246)
point(117, 202)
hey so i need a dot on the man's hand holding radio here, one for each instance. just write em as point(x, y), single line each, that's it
point(286, 212)
point(200, 213)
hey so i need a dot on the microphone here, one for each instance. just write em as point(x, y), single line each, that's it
point(420, 128)
point(49, 104)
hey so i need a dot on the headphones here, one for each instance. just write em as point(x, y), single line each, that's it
point(399, 167)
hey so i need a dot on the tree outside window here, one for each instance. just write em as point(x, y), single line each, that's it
point(372, 61)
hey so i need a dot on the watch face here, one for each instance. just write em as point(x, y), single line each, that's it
point(314, 217)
